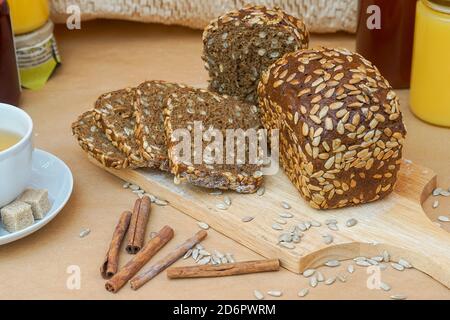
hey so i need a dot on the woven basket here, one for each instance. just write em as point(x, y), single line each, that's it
point(319, 15)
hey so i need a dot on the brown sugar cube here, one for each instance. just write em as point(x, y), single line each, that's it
point(17, 216)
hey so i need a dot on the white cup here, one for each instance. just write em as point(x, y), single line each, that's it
point(15, 162)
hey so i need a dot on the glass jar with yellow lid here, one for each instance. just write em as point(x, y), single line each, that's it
point(430, 80)
point(28, 15)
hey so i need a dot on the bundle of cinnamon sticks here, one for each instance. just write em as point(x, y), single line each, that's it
point(132, 226)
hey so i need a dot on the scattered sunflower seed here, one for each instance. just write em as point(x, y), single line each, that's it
point(286, 215)
point(313, 281)
point(227, 200)
point(350, 268)
point(221, 206)
point(405, 263)
point(247, 219)
point(330, 281)
point(187, 254)
point(444, 218)
point(258, 294)
point(275, 293)
point(204, 260)
point(363, 263)
point(327, 238)
point(203, 225)
point(437, 191)
point(285, 205)
point(261, 191)
point(377, 258)
point(285, 237)
point(385, 286)
point(372, 262)
point(332, 263)
point(280, 221)
point(309, 272)
point(302, 226)
point(315, 223)
point(276, 226)
point(331, 221)
point(160, 202)
point(351, 222)
point(399, 297)
point(386, 256)
point(134, 187)
point(203, 252)
point(320, 277)
point(302, 293)
point(333, 227)
point(445, 193)
point(126, 185)
point(397, 266)
point(230, 258)
point(195, 253)
point(84, 232)
point(435, 204)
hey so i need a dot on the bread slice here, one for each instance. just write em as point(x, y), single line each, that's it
point(149, 132)
point(96, 144)
point(189, 108)
point(114, 113)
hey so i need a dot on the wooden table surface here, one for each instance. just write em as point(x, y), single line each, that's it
point(106, 55)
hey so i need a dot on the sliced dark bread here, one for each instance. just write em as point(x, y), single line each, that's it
point(149, 132)
point(114, 112)
point(185, 106)
point(96, 144)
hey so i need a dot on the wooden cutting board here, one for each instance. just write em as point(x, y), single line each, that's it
point(396, 224)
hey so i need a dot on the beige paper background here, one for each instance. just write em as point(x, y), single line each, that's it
point(107, 55)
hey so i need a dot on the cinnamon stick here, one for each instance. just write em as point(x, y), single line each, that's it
point(154, 270)
point(222, 270)
point(139, 260)
point(111, 263)
point(138, 225)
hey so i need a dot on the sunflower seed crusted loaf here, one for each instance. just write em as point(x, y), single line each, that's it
point(96, 144)
point(149, 132)
point(241, 44)
point(114, 113)
point(200, 111)
point(341, 129)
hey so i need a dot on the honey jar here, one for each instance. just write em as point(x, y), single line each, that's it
point(430, 80)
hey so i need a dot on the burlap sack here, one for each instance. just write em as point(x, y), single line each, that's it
point(319, 15)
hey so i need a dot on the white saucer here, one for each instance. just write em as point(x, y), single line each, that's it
point(51, 173)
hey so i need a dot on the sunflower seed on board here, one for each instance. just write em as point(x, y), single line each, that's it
point(224, 260)
point(308, 225)
point(261, 191)
point(160, 202)
point(275, 293)
point(230, 258)
point(397, 266)
point(204, 260)
point(287, 245)
point(203, 252)
point(385, 286)
point(363, 263)
point(327, 238)
point(152, 197)
point(437, 191)
point(332, 263)
point(372, 262)
point(285, 237)
point(350, 268)
point(333, 227)
point(187, 254)
point(216, 260)
point(227, 200)
point(330, 281)
point(302, 293)
point(286, 215)
point(247, 219)
point(199, 246)
point(444, 218)
point(296, 238)
point(126, 185)
point(285, 205)
point(386, 256)
point(315, 223)
point(360, 259)
point(320, 277)
point(277, 227)
point(435, 204)
point(404, 263)
point(258, 294)
point(351, 222)
point(302, 226)
point(399, 297)
point(331, 221)
point(216, 193)
point(280, 221)
point(84, 232)
point(198, 258)
point(203, 225)
point(445, 193)
point(377, 258)
point(313, 281)
point(308, 273)
point(134, 187)
point(195, 253)
point(221, 206)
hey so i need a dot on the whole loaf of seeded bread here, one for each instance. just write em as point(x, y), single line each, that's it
point(341, 129)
